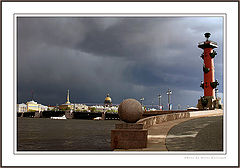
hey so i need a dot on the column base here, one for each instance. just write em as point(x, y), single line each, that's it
point(209, 103)
point(129, 136)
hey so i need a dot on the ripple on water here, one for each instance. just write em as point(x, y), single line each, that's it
point(43, 134)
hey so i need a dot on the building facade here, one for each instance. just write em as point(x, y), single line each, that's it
point(42, 108)
point(80, 107)
point(32, 106)
point(21, 107)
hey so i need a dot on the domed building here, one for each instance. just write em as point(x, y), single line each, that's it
point(108, 101)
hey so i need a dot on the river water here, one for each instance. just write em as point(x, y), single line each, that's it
point(44, 134)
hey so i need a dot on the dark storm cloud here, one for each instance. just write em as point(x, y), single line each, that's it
point(126, 57)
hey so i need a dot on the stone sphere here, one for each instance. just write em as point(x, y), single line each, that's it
point(130, 111)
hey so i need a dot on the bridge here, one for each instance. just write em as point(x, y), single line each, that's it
point(89, 115)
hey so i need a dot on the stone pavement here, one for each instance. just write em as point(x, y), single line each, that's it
point(200, 134)
point(158, 133)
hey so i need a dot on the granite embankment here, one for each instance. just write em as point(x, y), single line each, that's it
point(159, 127)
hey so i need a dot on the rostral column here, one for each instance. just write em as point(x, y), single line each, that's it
point(209, 100)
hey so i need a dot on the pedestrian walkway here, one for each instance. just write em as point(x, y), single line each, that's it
point(157, 135)
point(200, 134)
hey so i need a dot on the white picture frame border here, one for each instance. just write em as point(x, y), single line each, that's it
point(10, 157)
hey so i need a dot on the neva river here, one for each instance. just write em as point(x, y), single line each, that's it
point(44, 134)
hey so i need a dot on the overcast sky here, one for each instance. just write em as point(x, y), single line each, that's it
point(125, 57)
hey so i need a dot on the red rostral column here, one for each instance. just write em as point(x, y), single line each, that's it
point(209, 83)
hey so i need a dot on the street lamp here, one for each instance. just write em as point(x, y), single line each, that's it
point(179, 106)
point(142, 99)
point(159, 97)
point(169, 92)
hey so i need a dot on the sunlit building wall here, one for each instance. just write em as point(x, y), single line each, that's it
point(21, 107)
point(32, 106)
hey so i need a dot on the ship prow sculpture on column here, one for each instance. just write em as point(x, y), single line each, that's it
point(210, 99)
point(129, 134)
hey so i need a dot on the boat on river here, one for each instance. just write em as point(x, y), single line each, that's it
point(59, 118)
point(97, 118)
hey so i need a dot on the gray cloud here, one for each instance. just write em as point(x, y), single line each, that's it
point(126, 57)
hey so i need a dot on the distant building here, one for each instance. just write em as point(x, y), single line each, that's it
point(21, 107)
point(108, 101)
point(51, 108)
point(32, 106)
point(80, 107)
point(99, 108)
point(42, 107)
point(67, 105)
point(111, 109)
point(96, 108)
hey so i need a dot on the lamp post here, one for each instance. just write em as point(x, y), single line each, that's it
point(159, 98)
point(142, 99)
point(179, 106)
point(169, 92)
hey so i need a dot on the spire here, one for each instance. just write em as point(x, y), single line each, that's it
point(68, 102)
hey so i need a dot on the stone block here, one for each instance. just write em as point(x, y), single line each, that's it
point(129, 138)
point(128, 126)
